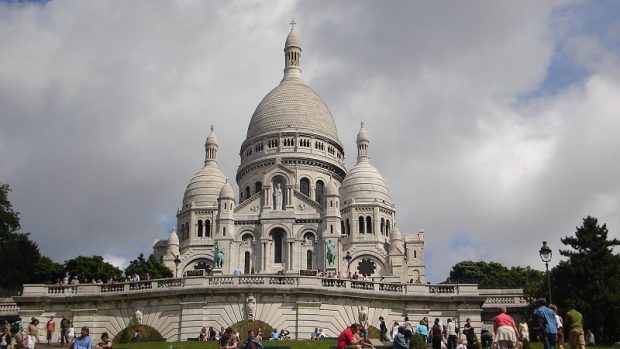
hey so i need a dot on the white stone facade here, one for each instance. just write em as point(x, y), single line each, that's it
point(295, 199)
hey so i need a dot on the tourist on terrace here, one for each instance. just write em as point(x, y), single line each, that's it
point(469, 332)
point(314, 334)
point(436, 334)
point(212, 334)
point(452, 334)
point(202, 336)
point(347, 338)
point(394, 328)
point(506, 331)
point(228, 340)
point(275, 336)
point(322, 334)
point(105, 343)
point(83, 341)
point(284, 335)
point(5, 338)
point(50, 328)
point(546, 323)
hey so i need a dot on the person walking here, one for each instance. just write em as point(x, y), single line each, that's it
point(436, 334)
point(382, 330)
point(547, 325)
point(452, 335)
point(50, 328)
point(558, 320)
point(65, 324)
point(33, 333)
point(574, 325)
point(506, 331)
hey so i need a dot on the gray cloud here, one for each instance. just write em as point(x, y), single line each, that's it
point(104, 108)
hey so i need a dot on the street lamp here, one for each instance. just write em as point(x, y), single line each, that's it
point(177, 261)
point(545, 254)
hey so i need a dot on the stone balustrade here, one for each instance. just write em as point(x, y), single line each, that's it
point(258, 282)
point(8, 307)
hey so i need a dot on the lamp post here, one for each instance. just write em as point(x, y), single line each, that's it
point(177, 261)
point(545, 254)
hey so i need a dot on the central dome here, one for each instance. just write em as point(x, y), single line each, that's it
point(292, 105)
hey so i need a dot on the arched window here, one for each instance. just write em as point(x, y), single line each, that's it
point(207, 228)
point(382, 225)
point(360, 225)
point(258, 187)
point(309, 237)
point(368, 225)
point(246, 263)
point(247, 238)
point(318, 191)
point(278, 237)
point(309, 260)
point(247, 192)
point(342, 229)
point(348, 227)
point(304, 186)
point(200, 228)
point(388, 227)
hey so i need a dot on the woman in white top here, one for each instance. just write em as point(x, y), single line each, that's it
point(394, 329)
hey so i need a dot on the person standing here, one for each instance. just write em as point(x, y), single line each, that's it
point(547, 325)
point(382, 330)
point(470, 334)
point(436, 334)
point(400, 342)
point(64, 330)
point(33, 333)
point(451, 328)
point(574, 324)
point(251, 342)
point(560, 323)
point(506, 331)
point(50, 328)
point(83, 341)
point(5, 338)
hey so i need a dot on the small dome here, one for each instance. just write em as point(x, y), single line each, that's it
point(211, 139)
point(227, 191)
point(292, 39)
point(173, 240)
point(204, 188)
point(362, 136)
point(331, 189)
point(364, 183)
point(395, 234)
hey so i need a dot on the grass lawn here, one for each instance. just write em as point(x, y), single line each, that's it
point(300, 344)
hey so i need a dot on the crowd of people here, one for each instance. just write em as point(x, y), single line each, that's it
point(15, 336)
point(75, 280)
point(229, 338)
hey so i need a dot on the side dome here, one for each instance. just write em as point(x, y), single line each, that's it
point(292, 105)
point(331, 189)
point(204, 188)
point(227, 191)
point(364, 183)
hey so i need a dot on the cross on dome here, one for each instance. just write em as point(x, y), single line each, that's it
point(293, 24)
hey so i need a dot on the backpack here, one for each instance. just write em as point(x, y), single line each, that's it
point(15, 327)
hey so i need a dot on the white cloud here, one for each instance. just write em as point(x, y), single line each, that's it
point(105, 108)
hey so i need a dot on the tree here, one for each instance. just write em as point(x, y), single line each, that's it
point(152, 266)
point(495, 275)
point(18, 255)
point(88, 268)
point(47, 271)
point(590, 277)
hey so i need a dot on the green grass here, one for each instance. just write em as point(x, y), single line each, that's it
point(300, 344)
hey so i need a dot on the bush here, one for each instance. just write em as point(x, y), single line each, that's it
point(417, 342)
point(373, 332)
point(148, 334)
point(243, 327)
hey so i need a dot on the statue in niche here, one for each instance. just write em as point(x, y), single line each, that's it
point(219, 255)
point(138, 317)
point(277, 197)
point(363, 315)
point(250, 307)
point(331, 253)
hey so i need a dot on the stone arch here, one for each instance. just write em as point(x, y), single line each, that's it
point(377, 259)
point(278, 237)
point(304, 186)
point(196, 263)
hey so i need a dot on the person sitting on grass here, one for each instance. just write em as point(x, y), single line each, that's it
point(105, 343)
point(251, 342)
point(347, 338)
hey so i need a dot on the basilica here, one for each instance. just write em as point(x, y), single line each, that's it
point(298, 210)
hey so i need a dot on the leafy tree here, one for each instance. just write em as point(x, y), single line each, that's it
point(18, 255)
point(590, 278)
point(495, 275)
point(88, 268)
point(152, 266)
point(47, 271)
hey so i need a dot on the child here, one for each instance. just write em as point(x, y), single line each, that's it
point(460, 344)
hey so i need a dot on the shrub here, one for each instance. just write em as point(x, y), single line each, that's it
point(243, 327)
point(417, 342)
point(148, 333)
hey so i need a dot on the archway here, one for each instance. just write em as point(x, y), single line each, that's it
point(278, 236)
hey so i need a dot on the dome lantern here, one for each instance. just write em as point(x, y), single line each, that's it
point(362, 144)
point(211, 148)
point(292, 55)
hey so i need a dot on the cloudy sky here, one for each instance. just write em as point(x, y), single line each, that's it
point(495, 124)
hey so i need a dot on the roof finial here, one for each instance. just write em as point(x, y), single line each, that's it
point(362, 124)
point(293, 24)
point(211, 127)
